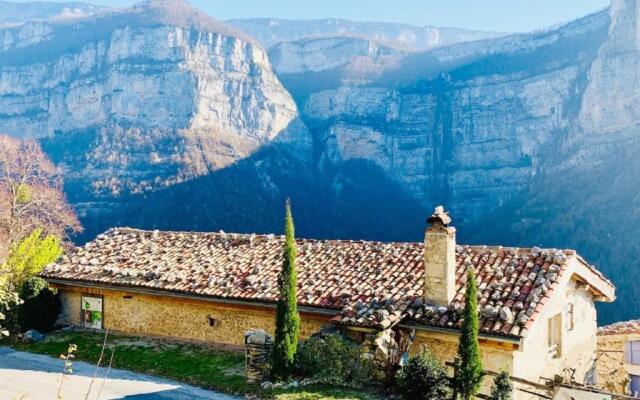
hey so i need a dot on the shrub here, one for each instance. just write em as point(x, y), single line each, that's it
point(40, 307)
point(31, 287)
point(333, 359)
point(502, 388)
point(423, 378)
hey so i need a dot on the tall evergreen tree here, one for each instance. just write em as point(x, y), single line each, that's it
point(287, 318)
point(469, 371)
point(502, 388)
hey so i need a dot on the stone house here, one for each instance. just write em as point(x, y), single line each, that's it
point(537, 312)
point(618, 358)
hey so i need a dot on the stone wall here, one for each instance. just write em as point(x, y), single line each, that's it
point(444, 346)
point(386, 349)
point(258, 346)
point(179, 318)
point(611, 375)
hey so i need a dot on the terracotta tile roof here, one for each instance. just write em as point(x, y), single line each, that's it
point(370, 284)
point(513, 286)
point(621, 328)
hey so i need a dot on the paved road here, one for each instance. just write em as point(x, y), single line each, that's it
point(25, 376)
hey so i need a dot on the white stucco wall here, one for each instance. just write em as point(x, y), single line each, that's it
point(534, 361)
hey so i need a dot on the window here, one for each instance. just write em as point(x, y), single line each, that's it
point(570, 317)
point(632, 352)
point(555, 335)
point(92, 312)
point(635, 385)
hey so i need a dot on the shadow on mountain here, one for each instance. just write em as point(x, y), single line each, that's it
point(354, 200)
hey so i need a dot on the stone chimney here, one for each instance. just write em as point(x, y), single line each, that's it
point(439, 259)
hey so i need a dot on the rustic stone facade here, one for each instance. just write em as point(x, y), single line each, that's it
point(385, 350)
point(611, 374)
point(444, 346)
point(179, 318)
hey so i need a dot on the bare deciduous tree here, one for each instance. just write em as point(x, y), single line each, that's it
point(31, 194)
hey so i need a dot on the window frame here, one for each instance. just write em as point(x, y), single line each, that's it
point(554, 335)
point(632, 352)
point(82, 310)
point(571, 314)
point(634, 385)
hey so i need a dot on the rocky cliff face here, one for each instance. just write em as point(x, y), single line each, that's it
point(135, 100)
point(468, 125)
point(315, 55)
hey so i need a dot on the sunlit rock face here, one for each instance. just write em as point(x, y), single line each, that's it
point(328, 53)
point(469, 125)
point(138, 99)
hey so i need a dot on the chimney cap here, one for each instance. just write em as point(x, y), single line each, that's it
point(439, 216)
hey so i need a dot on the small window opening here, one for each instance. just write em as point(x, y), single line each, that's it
point(570, 317)
point(555, 336)
point(92, 312)
point(632, 352)
point(214, 323)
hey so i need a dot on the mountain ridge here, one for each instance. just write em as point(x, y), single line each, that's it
point(407, 37)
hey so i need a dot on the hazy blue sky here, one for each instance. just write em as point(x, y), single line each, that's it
point(499, 15)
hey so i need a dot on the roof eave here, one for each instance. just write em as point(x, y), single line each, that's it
point(206, 298)
point(495, 338)
point(594, 281)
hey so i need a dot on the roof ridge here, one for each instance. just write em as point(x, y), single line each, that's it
point(620, 323)
point(125, 229)
point(568, 252)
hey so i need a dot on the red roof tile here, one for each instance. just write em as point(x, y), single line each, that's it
point(370, 284)
point(621, 328)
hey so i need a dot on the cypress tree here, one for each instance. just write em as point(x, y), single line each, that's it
point(502, 388)
point(469, 371)
point(287, 318)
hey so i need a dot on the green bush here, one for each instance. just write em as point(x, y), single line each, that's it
point(423, 378)
point(40, 307)
point(502, 388)
point(333, 359)
point(31, 287)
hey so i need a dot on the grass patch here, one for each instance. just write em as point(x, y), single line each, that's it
point(198, 365)
point(324, 393)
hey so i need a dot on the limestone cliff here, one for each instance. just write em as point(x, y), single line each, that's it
point(329, 53)
point(468, 125)
point(137, 99)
